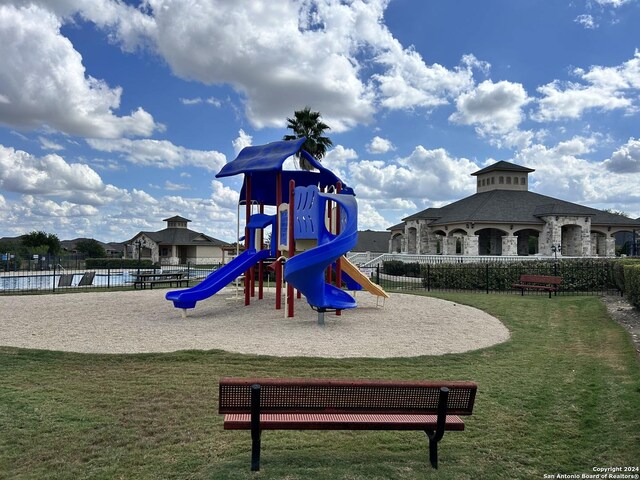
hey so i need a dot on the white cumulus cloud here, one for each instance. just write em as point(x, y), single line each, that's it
point(243, 140)
point(603, 88)
point(626, 159)
point(494, 108)
point(160, 153)
point(44, 82)
point(380, 145)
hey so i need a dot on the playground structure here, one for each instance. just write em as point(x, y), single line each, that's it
point(315, 224)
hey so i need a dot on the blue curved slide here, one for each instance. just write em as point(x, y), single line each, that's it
point(306, 271)
point(216, 280)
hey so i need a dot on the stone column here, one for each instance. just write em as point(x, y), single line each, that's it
point(449, 245)
point(509, 245)
point(586, 242)
point(610, 246)
point(551, 235)
point(432, 245)
point(602, 245)
point(471, 245)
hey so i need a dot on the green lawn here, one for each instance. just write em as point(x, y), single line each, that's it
point(562, 396)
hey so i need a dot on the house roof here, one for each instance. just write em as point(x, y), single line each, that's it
point(70, 245)
point(502, 166)
point(513, 206)
point(372, 241)
point(397, 226)
point(181, 236)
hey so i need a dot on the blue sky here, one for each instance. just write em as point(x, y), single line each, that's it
point(115, 115)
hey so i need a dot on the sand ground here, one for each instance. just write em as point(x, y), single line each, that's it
point(143, 321)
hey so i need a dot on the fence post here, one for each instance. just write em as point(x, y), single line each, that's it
point(428, 277)
point(486, 277)
point(53, 278)
point(378, 274)
point(188, 272)
point(108, 276)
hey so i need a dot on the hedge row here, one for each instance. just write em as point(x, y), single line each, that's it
point(577, 274)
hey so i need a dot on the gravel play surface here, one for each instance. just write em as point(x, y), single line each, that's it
point(143, 321)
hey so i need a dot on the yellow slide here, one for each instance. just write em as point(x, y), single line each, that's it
point(351, 270)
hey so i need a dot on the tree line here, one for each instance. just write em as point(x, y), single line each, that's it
point(48, 244)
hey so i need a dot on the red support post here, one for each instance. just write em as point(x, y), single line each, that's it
point(339, 260)
point(292, 246)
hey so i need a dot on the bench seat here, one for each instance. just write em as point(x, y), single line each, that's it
point(546, 288)
point(259, 404)
point(143, 283)
point(350, 421)
point(546, 283)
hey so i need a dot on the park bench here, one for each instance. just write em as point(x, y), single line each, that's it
point(144, 280)
point(258, 404)
point(547, 283)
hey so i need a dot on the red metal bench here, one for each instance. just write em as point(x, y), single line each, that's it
point(258, 404)
point(546, 283)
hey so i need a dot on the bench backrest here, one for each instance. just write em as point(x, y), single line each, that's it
point(548, 279)
point(287, 395)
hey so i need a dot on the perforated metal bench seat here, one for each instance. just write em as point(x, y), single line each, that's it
point(351, 421)
point(258, 404)
point(547, 283)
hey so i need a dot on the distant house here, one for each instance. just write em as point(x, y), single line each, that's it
point(177, 245)
point(504, 218)
point(112, 249)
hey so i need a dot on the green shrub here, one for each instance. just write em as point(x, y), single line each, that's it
point(400, 268)
point(618, 271)
point(632, 283)
point(393, 267)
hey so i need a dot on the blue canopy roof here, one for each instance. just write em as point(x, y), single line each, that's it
point(263, 158)
point(262, 162)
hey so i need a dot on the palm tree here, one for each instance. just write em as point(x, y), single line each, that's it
point(306, 123)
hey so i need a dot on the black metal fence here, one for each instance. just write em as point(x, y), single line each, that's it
point(578, 278)
point(75, 273)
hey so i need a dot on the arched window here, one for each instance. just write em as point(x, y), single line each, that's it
point(501, 179)
point(508, 180)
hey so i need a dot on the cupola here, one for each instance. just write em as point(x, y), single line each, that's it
point(503, 176)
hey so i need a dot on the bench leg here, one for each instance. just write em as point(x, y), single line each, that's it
point(255, 428)
point(255, 451)
point(433, 449)
point(436, 436)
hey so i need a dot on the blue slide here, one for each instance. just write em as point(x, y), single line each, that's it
point(306, 271)
point(216, 280)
